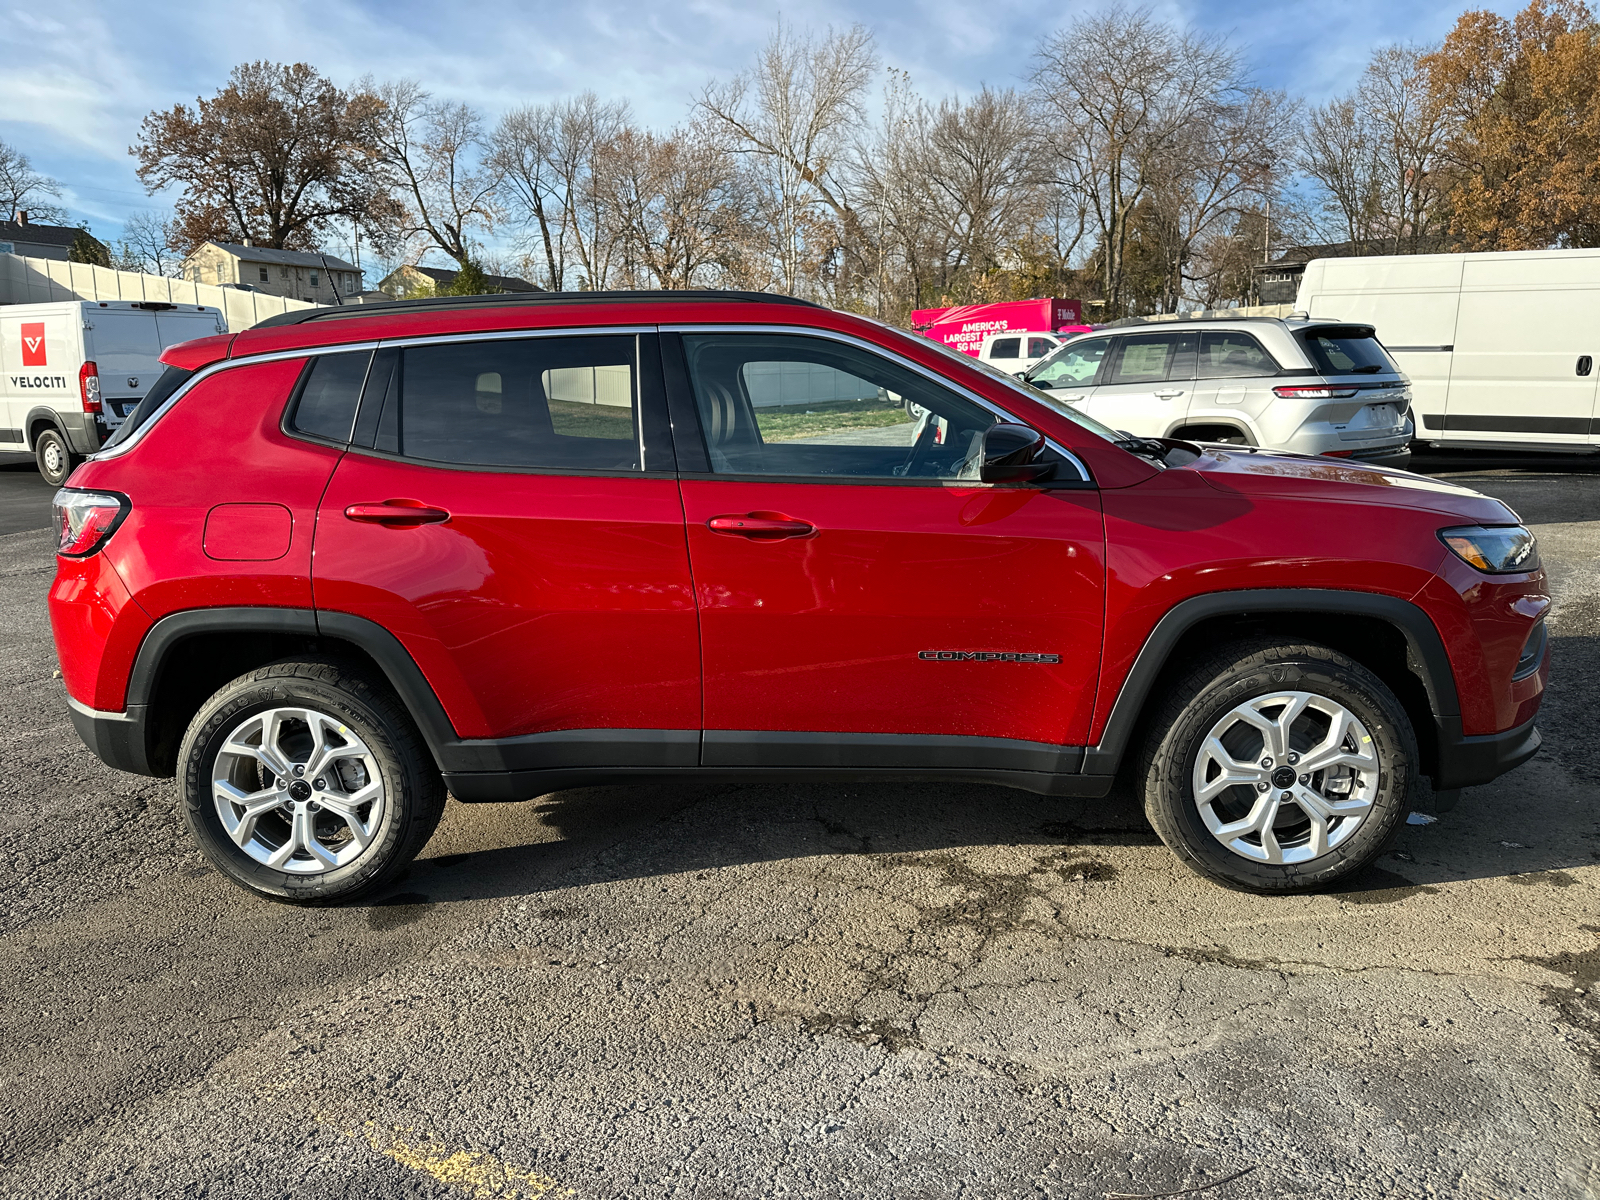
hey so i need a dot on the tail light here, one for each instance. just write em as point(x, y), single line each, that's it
point(1314, 393)
point(85, 520)
point(89, 387)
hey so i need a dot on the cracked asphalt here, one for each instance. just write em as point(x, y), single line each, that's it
point(726, 991)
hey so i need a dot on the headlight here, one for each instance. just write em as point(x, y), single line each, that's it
point(1496, 549)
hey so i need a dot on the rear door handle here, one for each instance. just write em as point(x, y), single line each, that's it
point(396, 513)
point(762, 526)
point(1169, 395)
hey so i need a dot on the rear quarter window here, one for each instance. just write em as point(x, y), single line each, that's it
point(329, 391)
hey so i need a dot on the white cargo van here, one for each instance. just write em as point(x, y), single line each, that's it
point(72, 369)
point(1500, 348)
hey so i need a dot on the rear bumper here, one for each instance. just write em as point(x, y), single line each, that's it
point(1468, 761)
point(117, 738)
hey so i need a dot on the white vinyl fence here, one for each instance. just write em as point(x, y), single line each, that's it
point(38, 280)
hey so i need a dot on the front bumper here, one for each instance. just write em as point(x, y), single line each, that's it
point(1468, 761)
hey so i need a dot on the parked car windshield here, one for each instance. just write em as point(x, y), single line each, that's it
point(1346, 351)
point(1016, 385)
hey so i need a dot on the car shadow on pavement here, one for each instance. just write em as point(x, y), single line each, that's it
point(691, 827)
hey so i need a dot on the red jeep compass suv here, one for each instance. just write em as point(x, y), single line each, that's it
point(505, 545)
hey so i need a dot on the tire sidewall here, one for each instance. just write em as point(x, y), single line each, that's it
point(197, 757)
point(1170, 788)
point(46, 437)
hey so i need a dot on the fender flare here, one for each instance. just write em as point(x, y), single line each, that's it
point(1229, 421)
point(1425, 650)
point(42, 414)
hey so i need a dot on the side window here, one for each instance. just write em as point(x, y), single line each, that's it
point(1230, 355)
point(329, 392)
point(1006, 348)
point(568, 403)
point(1039, 347)
point(1076, 362)
point(1154, 358)
point(802, 406)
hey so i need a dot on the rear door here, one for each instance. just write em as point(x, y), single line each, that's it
point(1148, 383)
point(1228, 372)
point(864, 601)
point(509, 510)
point(125, 346)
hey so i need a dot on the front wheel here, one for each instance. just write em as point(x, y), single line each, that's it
point(308, 782)
point(1279, 767)
point(55, 458)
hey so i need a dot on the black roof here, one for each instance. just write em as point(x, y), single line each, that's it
point(42, 235)
point(519, 300)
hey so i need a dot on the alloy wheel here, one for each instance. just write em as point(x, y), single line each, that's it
point(298, 791)
point(1286, 777)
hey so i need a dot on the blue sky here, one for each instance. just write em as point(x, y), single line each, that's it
point(77, 76)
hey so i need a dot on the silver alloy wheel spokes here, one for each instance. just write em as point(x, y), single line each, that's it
point(1286, 777)
point(298, 791)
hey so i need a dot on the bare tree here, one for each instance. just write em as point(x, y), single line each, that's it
point(1376, 157)
point(546, 157)
point(1119, 92)
point(147, 245)
point(795, 115)
point(433, 154)
point(22, 189)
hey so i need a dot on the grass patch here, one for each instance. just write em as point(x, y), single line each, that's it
point(796, 421)
point(572, 419)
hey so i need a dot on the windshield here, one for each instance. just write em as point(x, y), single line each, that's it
point(1346, 350)
point(1016, 385)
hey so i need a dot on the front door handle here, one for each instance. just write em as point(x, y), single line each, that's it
point(1169, 395)
point(1075, 398)
point(761, 525)
point(396, 513)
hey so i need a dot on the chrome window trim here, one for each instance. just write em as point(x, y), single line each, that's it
point(229, 364)
point(884, 352)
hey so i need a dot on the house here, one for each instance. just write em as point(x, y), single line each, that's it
point(23, 237)
point(298, 274)
point(429, 281)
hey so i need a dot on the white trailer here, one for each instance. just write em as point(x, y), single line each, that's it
point(70, 370)
point(1500, 348)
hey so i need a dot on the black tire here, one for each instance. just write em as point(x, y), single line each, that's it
point(413, 791)
point(55, 458)
point(1253, 671)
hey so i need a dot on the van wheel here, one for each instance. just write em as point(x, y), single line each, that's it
point(55, 458)
point(308, 782)
point(1279, 767)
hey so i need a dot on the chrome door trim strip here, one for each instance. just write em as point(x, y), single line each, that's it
point(228, 364)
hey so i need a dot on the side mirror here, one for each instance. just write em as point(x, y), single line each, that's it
point(1010, 453)
point(1044, 385)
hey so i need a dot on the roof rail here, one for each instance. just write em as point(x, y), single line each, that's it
point(519, 300)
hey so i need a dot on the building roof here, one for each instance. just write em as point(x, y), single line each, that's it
point(41, 235)
point(283, 258)
point(1299, 256)
point(506, 283)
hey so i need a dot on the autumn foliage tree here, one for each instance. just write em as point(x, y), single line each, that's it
point(1523, 100)
point(276, 155)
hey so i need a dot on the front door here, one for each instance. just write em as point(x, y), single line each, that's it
point(864, 600)
point(1146, 387)
point(510, 512)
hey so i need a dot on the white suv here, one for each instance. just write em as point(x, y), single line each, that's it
point(1015, 351)
point(1311, 386)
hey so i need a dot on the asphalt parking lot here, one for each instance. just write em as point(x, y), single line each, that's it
point(731, 991)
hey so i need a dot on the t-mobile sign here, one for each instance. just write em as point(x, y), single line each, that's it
point(33, 344)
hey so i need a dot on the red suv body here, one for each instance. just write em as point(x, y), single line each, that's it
point(590, 538)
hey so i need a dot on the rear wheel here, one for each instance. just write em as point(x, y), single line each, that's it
point(55, 458)
point(308, 782)
point(1279, 767)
